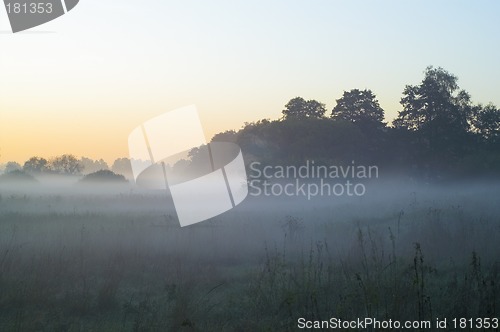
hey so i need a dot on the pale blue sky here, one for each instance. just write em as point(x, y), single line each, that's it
point(108, 66)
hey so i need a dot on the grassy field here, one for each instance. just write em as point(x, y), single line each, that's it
point(120, 262)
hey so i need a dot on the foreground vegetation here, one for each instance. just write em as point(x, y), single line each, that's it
point(121, 263)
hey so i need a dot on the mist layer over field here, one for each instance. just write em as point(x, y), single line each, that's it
point(103, 258)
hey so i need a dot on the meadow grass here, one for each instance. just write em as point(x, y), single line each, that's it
point(95, 264)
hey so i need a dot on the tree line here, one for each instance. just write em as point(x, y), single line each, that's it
point(438, 133)
point(68, 164)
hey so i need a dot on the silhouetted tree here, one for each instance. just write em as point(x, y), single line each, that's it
point(92, 166)
point(359, 107)
point(440, 113)
point(65, 164)
point(486, 122)
point(12, 166)
point(436, 105)
point(226, 136)
point(298, 108)
point(123, 166)
point(35, 165)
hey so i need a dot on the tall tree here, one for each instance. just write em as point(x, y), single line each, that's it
point(438, 111)
point(359, 107)
point(436, 104)
point(298, 108)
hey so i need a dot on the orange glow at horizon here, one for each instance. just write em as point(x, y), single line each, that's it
point(82, 83)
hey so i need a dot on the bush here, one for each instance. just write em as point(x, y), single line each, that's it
point(17, 176)
point(104, 176)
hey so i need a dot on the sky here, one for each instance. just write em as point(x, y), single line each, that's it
point(81, 83)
